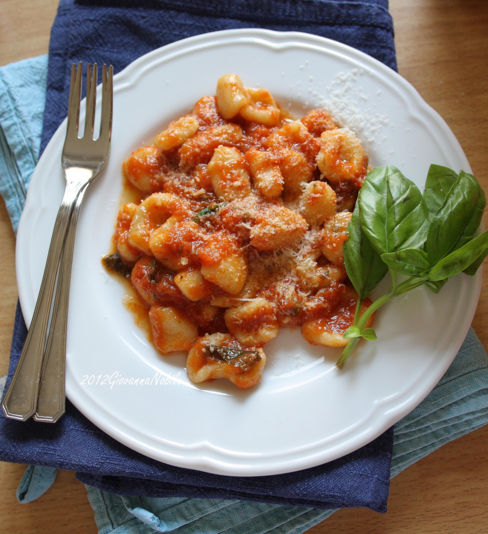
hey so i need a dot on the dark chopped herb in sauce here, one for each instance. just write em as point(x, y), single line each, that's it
point(209, 210)
point(241, 358)
point(152, 274)
point(113, 262)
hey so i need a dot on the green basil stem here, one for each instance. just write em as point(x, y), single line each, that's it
point(357, 311)
point(361, 321)
point(408, 285)
point(351, 345)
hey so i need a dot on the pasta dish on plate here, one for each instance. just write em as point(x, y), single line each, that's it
point(237, 230)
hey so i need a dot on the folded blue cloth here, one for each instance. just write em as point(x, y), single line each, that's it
point(358, 479)
point(116, 33)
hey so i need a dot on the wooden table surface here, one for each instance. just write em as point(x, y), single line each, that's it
point(442, 50)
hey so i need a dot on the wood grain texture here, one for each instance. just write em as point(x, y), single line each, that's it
point(441, 48)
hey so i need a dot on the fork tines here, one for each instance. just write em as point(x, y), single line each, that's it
point(91, 95)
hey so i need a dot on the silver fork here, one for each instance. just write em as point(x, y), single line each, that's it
point(45, 346)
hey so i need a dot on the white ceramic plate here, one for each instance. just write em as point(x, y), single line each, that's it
point(305, 411)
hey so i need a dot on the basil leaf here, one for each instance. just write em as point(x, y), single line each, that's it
point(437, 187)
point(241, 358)
point(392, 211)
point(471, 270)
point(411, 261)
point(435, 287)
point(460, 259)
point(456, 222)
point(352, 332)
point(474, 223)
point(368, 334)
point(363, 264)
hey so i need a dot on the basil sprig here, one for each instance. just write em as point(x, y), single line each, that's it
point(420, 239)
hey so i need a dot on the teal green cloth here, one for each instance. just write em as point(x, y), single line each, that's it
point(456, 406)
point(22, 90)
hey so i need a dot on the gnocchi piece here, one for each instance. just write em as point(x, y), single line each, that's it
point(205, 315)
point(267, 177)
point(229, 273)
point(295, 169)
point(192, 284)
point(312, 275)
point(317, 121)
point(146, 169)
point(323, 303)
point(153, 283)
point(294, 135)
point(127, 252)
point(329, 329)
point(171, 329)
point(279, 227)
point(218, 355)
point(334, 236)
point(318, 202)
point(177, 132)
point(174, 243)
point(224, 301)
point(238, 216)
point(341, 156)
point(142, 279)
point(261, 108)
point(293, 132)
point(322, 332)
point(200, 148)
point(227, 170)
point(231, 95)
point(206, 110)
point(252, 323)
point(151, 213)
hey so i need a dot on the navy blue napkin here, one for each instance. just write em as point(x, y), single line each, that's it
point(115, 32)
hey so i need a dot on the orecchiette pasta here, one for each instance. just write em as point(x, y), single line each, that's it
point(239, 229)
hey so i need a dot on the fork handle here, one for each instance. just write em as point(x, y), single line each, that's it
point(20, 399)
point(51, 397)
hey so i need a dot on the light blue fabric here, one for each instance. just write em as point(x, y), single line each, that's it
point(458, 404)
point(36, 481)
point(22, 90)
